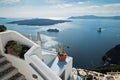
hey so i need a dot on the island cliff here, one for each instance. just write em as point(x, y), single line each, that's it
point(113, 55)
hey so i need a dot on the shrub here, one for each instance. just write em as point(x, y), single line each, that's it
point(2, 28)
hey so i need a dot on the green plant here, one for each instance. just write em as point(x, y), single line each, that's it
point(2, 28)
point(61, 54)
point(61, 49)
point(13, 47)
point(17, 48)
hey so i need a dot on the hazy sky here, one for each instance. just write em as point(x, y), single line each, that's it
point(58, 8)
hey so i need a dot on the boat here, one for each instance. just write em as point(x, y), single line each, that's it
point(99, 29)
point(53, 30)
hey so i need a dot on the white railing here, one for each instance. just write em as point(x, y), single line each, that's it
point(42, 68)
point(34, 58)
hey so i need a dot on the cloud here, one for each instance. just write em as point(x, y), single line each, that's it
point(102, 10)
point(9, 1)
point(61, 10)
point(63, 5)
point(80, 3)
point(54, 1)
point(112, 6)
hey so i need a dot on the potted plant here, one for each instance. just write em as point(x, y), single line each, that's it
point(13, 48)
point(2, 28)
point(61, 54)
point(17, 48)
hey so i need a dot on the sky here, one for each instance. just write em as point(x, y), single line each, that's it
point(58, 8)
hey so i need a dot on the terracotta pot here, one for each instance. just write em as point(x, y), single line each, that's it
point(62, 57)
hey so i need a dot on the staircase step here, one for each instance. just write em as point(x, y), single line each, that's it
point(5, 65)
point(21, 78)
point(2, 58)
point(17, 76)
point(6, 74)
point(4, 62)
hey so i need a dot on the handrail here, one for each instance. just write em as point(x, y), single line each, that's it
point(42, 68)
point(37, 70)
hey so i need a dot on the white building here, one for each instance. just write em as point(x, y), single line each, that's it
point(39, 64)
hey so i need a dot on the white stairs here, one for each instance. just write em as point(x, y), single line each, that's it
point(9, 72)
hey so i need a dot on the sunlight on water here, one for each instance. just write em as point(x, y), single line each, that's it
point(60, 27)
point(48, 42)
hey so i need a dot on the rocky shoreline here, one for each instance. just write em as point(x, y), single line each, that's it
point(83, 74)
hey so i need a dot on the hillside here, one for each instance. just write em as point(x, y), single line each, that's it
point(94, 17)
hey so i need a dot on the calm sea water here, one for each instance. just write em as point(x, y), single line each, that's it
point(86, 45)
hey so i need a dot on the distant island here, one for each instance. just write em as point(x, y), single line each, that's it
point(2, 18)
point(53, 30)
point(38, 22)
point(94, 17)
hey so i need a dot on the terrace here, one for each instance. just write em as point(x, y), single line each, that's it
point(41, 62)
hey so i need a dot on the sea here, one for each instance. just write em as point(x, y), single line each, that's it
point(80, 38)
